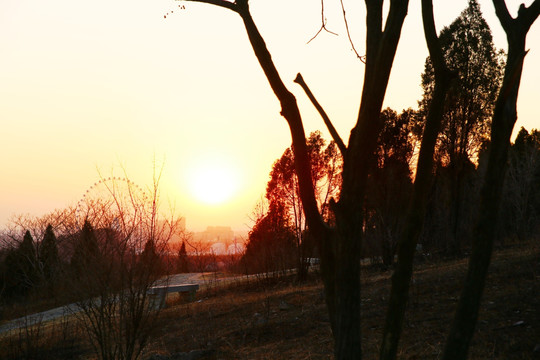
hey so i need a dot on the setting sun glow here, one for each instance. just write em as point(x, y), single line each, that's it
point(141, 86)
point(213, 182)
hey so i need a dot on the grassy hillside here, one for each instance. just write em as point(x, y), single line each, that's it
point(284, 320)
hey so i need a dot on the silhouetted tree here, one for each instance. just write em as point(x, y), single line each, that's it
point(183, 262)
point(20, 269)
point(469, 51)
point(401, 278)
point(48, 254)
point(86, 253)
point(389, 186)
point(339, 243)
point(27, 251)
point(11, 286)
point(271, 242)
point(521, 204)
point(283, 187)
point(503, 121)
point(116, 260)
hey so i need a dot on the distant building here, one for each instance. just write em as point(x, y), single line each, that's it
point(214, 234)
point(219, 240)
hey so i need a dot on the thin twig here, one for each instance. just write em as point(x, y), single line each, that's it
point(361, 57)
point(323, 24)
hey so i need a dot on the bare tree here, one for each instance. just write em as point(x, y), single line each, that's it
point(63, 221)
point(424, 174)
point(117, 259)
point(340, 244)
point(504, 119)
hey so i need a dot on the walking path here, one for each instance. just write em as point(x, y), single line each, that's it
point(205, 281)
point(66, 310)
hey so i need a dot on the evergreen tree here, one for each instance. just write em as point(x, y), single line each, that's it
point(12, 286)
point(183, 251)
point(48, 254)
point(20, 270)
point(86, 251)
point(183, 265)
point(468, 49)
point(150, 258)
point(521, 199)
point(28, 262)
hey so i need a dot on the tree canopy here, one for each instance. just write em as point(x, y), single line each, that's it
point(467, 45)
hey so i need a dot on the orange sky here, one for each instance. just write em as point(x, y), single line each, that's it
point(111, 85)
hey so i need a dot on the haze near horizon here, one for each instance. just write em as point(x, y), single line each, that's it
point(110, 86)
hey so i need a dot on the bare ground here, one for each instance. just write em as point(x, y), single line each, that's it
point(284, 320)
point(288, 321)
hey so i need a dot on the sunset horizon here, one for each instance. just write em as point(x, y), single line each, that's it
point(114, 86)
point(226, 179)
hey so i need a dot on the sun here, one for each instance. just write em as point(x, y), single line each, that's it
point(213, 181)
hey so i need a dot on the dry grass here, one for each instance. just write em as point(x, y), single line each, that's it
point(283, 320)
point(247, 322)
point(279, 321)
point(62, 338)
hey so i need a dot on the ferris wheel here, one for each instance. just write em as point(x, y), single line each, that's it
point(112, 202)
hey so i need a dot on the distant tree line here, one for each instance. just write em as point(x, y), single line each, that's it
point(47, 267)
point(280, 239)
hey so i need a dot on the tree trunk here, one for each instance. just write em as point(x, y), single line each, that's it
point(401, 278)
point(340, 247)
point(399, 294)
point(504, 118)
point(347, 332)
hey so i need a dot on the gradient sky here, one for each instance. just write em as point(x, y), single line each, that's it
point(107, 85)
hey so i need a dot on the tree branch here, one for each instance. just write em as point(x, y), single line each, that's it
point(290, 111)
point(323, 24)
point(502, 13)
point(531, 13)
point(526, 15)
point(337, 139)
point(380, 49)
point(362, 58)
